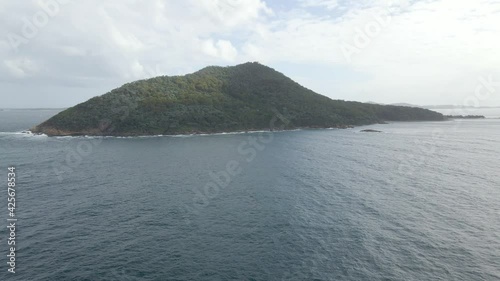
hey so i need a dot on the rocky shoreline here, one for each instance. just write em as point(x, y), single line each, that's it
point(51, 132)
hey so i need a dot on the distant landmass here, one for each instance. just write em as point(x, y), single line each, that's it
point(457, 107)
point(31, 109)
point(215, 99)
point(406, 104)
point(465, 116)
point(445, 106)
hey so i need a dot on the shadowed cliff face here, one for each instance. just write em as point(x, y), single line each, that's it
point(218, 99)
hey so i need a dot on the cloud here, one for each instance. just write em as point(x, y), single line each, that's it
point(20, 67)
point(328, 4)
point(222, 49)
point(233, 13)
point(413, 51)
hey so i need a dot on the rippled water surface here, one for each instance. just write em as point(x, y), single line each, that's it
point(419, 201)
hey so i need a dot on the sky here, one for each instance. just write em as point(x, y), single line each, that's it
point(58, 53)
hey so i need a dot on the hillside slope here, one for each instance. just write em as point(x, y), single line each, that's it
point(217, 99)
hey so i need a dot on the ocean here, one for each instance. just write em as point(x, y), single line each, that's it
point(418, 201)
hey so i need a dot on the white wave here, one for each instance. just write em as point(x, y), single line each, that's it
point(22, 134)
point(30, 134)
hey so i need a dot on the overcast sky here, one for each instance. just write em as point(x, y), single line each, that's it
point(56, 53)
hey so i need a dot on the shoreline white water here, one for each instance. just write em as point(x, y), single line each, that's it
point(28, 133)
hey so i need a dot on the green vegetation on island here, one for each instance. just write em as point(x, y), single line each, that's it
point(218, 99)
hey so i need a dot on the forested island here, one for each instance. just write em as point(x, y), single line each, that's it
point(215, 99)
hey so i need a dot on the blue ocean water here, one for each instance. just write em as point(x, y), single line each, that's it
point(419, 201)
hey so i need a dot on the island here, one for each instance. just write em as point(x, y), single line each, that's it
point(465, 116)
point(245, 97)
point(370, 131)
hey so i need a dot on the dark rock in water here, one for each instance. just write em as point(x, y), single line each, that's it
point(371, 131)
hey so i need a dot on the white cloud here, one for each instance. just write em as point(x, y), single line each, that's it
point(137, 70)
point(253, 52)
point(123, 39)
point(233, 13)
point(420, 48)
point(328, 4)
point(20, 67)
point(222, 49)
point(226, 50)
point(426, 51)
point(71, 50)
